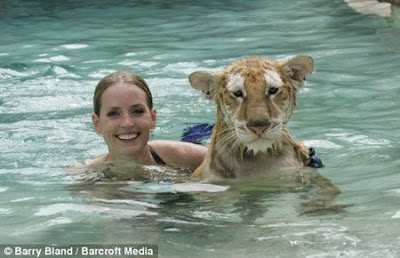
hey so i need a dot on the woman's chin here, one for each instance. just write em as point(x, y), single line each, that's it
point(127, 151)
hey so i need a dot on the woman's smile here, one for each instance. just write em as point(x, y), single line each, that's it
point(128, 136)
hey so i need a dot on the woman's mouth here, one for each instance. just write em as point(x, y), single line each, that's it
point(127, 136)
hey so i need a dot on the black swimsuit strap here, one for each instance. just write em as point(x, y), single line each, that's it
point(157, 158)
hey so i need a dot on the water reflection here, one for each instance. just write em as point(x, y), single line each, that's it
point(177, 199)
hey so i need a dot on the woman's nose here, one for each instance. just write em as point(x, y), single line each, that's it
point(127, 121)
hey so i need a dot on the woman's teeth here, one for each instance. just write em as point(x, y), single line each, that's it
point(128, 136)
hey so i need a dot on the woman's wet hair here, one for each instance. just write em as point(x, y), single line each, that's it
point(116, 77)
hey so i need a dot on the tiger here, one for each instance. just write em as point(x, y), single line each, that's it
point(255, 97)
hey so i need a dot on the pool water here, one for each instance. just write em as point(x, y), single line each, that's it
point(54, 52)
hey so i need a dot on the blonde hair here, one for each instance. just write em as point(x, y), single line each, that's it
point(120, 76)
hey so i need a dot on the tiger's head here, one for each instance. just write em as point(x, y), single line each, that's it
point(255, 98)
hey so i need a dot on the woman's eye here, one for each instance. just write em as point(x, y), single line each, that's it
point(273, 90)
point(238, 94)
point(112, 113)
point(138, 111)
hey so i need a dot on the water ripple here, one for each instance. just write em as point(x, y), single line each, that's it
point(74, 46)
point(4, 211)
point(128, 202)
point(58, 58)
point(62, 208)
point(6, 73)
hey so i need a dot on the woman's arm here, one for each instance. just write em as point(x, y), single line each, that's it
point(180, 154)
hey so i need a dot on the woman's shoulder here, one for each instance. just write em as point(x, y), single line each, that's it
point(169, 145)
point(86, 164)
point(177, 153)
point(97, 160)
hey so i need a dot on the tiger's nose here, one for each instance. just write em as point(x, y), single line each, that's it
point(258, 126)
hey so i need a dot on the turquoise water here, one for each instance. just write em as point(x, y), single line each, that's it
point(53, 53)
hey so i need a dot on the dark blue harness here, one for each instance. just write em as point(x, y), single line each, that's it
point(315, 160)
point(199, 132)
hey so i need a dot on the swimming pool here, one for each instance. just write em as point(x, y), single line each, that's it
point(53, 54)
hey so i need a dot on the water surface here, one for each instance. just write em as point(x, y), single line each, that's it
point(53, 53)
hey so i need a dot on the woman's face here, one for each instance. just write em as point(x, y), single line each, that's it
point(125, 120)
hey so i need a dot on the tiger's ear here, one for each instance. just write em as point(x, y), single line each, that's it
point(204, 81)
point(299, 67)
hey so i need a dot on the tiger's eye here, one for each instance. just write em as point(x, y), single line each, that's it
point(273, 90)
point(238, 94)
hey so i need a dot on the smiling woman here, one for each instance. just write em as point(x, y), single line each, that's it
point(124, 116)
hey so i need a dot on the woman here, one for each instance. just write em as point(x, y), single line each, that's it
point(124, 116)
